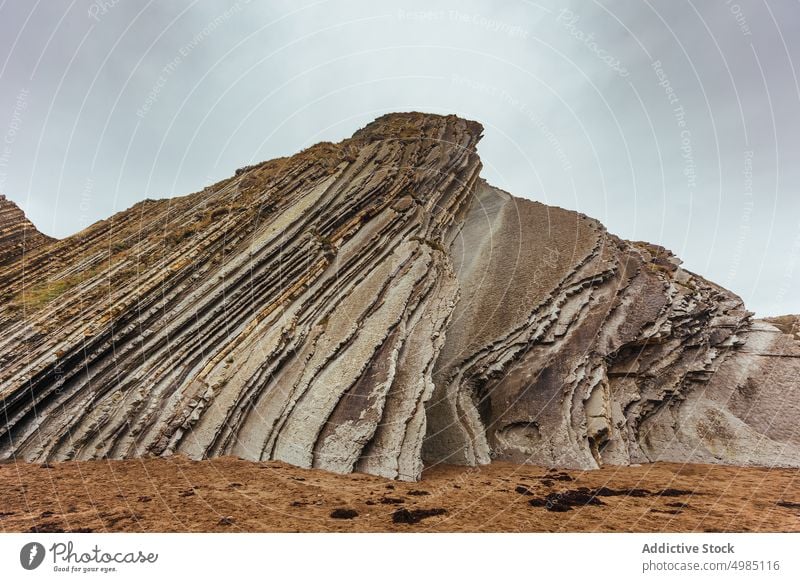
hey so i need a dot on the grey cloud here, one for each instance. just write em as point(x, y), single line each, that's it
point(159, 99)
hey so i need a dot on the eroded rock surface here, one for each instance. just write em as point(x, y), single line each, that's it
point(371, 306)
point(17, 233)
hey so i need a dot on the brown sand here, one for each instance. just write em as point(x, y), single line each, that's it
point(226, 494)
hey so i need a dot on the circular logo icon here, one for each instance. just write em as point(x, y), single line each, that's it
point(31, 555)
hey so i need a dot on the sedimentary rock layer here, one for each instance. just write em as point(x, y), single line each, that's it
point(371, 306)
point(17, 233)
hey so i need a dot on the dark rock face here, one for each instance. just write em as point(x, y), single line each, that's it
point(372, 305)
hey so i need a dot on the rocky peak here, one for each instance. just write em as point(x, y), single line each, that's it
point(373, 305)
point(415, 125)
point(17, 233)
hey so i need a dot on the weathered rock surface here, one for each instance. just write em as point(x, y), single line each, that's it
point(371, 306)
point(17, 233)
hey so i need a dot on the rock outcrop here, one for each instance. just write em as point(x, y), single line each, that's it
point(17, 233)
point(373, 305)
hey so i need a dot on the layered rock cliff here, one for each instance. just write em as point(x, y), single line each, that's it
point(17, 233)
point(374, 306)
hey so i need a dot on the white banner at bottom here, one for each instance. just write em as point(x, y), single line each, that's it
point(353, 557)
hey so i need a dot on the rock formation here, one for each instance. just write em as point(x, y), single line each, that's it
point(17, 233)
point(373, 305)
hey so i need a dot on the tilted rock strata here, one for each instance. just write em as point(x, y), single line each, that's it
point(17, 233)
point(370, 305)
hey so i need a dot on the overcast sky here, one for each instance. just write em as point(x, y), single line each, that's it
point(670, 121)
